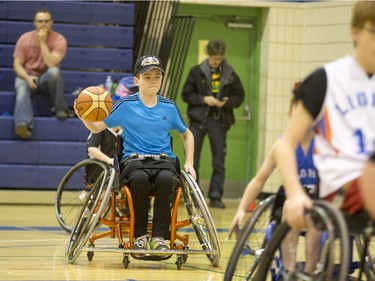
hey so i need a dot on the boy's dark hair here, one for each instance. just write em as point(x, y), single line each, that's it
point(294, 98)
point(216, 47)
point(363, 11)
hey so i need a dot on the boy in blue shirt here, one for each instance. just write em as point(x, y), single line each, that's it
point(148, 164)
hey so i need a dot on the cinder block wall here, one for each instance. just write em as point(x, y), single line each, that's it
point(297, 39)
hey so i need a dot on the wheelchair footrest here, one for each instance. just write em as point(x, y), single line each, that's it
point(154, 257)
point(148, 252)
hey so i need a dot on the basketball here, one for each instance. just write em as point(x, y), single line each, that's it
point(94, 104)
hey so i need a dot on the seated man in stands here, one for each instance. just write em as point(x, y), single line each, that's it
point(37, 57)
point(149, 165)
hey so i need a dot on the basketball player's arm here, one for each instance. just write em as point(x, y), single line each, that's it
point(252, 190)
point(93, 127)
point(96, 153)
point(367, 186)
point(188, 140)
point(297, 200)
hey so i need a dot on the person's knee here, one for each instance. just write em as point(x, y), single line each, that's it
point(22, 95)
point(140, 178)
point(165, 177)
point(54, 73)
point(165, 182)
point(21, 87)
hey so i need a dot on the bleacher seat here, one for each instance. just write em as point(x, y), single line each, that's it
point(31, 176)
point(6, 55)
point(73, 12)
point(73, 79)
point(11, 31)
point(75, 34)
point(82, 58)
point(100, 39)
point(47, 129)
point(78, 58)
point(7, 102)
point(45, 153)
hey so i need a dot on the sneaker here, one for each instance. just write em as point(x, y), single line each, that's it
point(22, 130)
point(140, 242)
point(158, 243)
point(61, 115)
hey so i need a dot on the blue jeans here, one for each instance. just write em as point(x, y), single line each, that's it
point(217, 136)
point(50, 84)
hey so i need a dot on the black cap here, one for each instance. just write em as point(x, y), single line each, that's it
point(145, 63)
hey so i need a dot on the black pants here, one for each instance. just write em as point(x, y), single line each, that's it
point(144, 182)
point(217, 136)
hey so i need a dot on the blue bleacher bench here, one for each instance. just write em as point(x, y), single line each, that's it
point(82, 58)
point(75, 12)
point(75, 34)
point(100, 38)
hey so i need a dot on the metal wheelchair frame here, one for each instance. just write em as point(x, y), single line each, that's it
point(105, 194)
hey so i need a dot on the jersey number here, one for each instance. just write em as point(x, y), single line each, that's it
point(361, 142)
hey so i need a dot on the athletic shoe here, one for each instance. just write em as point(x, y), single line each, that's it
point(140, 243)
point(61, 115)
point(158, 243)
point(22, 130)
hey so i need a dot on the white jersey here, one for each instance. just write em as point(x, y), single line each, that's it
point(345, 127)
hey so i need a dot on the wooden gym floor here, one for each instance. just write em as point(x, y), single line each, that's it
point(32, 247)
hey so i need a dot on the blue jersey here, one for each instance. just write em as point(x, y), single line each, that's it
point(308, 174)
point(146, 130)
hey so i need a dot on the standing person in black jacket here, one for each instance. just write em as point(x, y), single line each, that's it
point(212, 90)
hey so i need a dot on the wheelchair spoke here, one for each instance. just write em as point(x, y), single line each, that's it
point(332, 259)
point(96, 205)
point(71, 193)
point(249, 247)
point(200, 217)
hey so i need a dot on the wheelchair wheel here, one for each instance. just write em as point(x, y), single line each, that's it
point(254, 236)
point(72, 193)
point(334, 252)
point(200, 218)
point(365, 243)
point(95, 206)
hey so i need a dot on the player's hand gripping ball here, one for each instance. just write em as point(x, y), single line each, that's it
point(93, 104)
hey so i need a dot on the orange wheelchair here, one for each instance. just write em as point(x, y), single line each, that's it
point(106, 204)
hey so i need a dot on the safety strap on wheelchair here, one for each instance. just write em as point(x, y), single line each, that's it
point(145, 156)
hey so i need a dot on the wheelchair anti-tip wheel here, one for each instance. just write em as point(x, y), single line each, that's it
point(95, 206)
point(253, 239)
point(200, 218)
point(72, 193)
point(334, 250)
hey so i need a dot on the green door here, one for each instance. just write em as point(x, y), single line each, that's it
point(241, 53)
